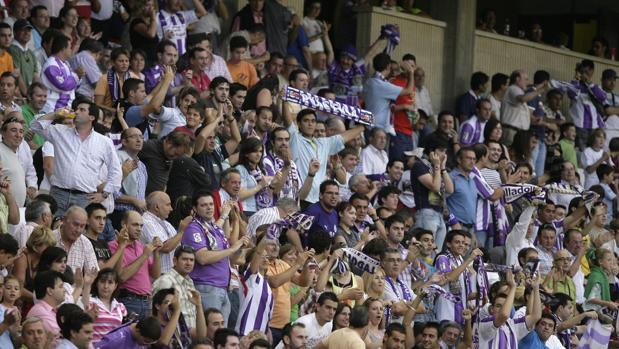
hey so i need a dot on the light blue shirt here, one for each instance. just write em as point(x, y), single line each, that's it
point(304, 150)
point(462, 203)
point(66, 344)
point(248, 182)
point(378, 95)
point(5, 338)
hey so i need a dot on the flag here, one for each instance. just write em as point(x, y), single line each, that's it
point(596, 336)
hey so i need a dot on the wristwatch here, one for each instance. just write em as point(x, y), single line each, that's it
point(105, 194)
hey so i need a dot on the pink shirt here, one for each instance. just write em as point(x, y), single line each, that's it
point(140, 282)
point(47, 313)
point(107, 319)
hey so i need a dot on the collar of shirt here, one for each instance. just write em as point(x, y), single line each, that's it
point(22, 48)
point(473, 94)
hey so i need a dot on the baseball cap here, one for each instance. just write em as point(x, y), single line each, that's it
point(350, 51)
point(609, 74)
point(21, 24)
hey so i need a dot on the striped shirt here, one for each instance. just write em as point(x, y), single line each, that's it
point(107, 319)
point(80, 254)
point(582, 110)
point(61, 83)
point(256, 304)
point(177, 24)
point(505, 337)
point(472, 131)
point(264, 216)
point(462, 287)
point(157, 227)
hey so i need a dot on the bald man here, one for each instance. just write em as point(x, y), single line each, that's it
point(70, 237)
point(139, 264)
point(158, 208)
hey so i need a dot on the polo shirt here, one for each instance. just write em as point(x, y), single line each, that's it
point(463, 201)
point(513, 112)
point(305, 149)
point(140, 282)
point(119, 338)
point(47, 313)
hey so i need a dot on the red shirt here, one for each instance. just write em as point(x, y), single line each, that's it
point(401, 121)
point(200, 80)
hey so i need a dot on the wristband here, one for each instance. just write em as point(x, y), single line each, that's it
point(311, 175)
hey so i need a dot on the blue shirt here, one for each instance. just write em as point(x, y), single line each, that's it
point(378, 95)
point(532, 341)
point(305, 149)
point(466, 104)
point(462, 202)
point(295, 48)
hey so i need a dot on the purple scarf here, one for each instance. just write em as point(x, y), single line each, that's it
point(264, 198)
point(114, 85)
point(390, 32)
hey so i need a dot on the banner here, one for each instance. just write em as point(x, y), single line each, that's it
point(362, 261)
point(297, 221)
point(324, 105)
point(596, 336)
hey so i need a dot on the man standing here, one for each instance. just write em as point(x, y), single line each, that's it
point(172, 22)
point(132, 194)
point(306, 148)
point(213, 251)
point(37, 97)
point(379, 93)
point(39, 17)
point(465, 105)
point(159, 207)
point(12, 131)
point(70, 237)
point(402, 111)
point(462, 202)
point(79, 155)
point(167, 55)
point(178, 278)
point(58, 77)
point(323, 211)
point(472, 130)
point(446, 132)
point(23, 57)
point(6, 37)
point(139, 264)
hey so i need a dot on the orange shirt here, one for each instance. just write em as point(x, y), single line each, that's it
point(281, 295)
point(243, 73)
point(6, 62)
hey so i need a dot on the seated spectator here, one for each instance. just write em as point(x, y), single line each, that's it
point(145, 332)
point(241, 71)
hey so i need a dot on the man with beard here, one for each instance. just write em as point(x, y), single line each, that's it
point(278, 159)
point(220, 92)
point(446, 132)
point(37, 96)
point(323, 211)
point(294, 337)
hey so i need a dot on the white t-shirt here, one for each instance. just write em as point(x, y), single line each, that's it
point(316, 333)
point(589, 157)
point(513, 112)
point(170, 118)
point(312, 28)
point(507, 335)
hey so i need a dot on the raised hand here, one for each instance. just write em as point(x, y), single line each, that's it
point(195, 297)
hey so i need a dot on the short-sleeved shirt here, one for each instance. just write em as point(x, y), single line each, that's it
point(315, 332)
point(243, 73)
point(81, 254)
point(6, 62)
point(504, 337)
point(513, 112)
point(323, 219)
point(424, 198)
point(465, 104)
point(169, 118)
point(47, 313)
point(199, 235)
point(86, 61)
point(295, 48)
point(463, 201)
point(183, 284)
point(305, 149)
point(157, 227)
point(378, 95)
point(176, 23)
point(102, 251)
point(121, 337)
point(140, 282)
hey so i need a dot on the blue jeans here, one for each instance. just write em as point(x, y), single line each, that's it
point(235, 303)
point(398, 145)
point(538, 156)
point(429, 219)
point(66, 199)
point(215, 297)
point(140, 306)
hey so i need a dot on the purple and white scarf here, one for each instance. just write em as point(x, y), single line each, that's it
point(297, 221)
point(264, 198)
point(390, 32)
point(114, 85)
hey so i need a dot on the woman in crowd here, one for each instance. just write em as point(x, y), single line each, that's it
point(102, 299)
point(376, 330)
point(346, 235)
point(108, 91)
point(256, 187)
point(137, 63)
point(341, 319)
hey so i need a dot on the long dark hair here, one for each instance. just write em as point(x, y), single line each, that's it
point(247, 146)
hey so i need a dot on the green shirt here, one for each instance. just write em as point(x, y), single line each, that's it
point(29, 117)
point(568, 150)
point(25, 61)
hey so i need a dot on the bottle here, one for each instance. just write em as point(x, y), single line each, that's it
point(506, 28)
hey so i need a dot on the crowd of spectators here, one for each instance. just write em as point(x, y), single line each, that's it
point(158, 191)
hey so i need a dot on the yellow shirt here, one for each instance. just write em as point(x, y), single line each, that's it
point(6, 62)
point(281, 295)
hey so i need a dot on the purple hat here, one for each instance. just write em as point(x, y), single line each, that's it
point(350, 51)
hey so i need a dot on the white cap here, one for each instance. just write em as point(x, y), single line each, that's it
point(418, 152)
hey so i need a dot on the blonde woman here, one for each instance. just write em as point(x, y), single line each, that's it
point(25, 266)
point(374, 283)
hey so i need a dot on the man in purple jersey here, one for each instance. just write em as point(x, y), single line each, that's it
point(325, 216)
point(138, 335)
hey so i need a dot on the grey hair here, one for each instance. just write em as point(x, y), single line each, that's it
point(31, 320)
point(74, 208)
point(287, 204)
point(355, 179)
point(35, 209)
